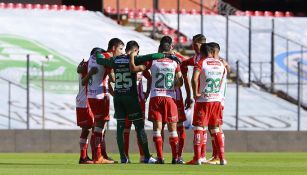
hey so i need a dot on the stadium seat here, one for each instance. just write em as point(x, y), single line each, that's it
point(183, 11)
point(81, 8)
point(259, 13)
point(131, 15)
point(46, 7)
point(54, 7)
point(36, 6)
point(289, 14)
point(183, 39)
point(249, 13)
point(140, 15)
point(162, 11)
point(239, 13)
point(9, 5)
point(63, 7)
point(71, 7)
point(268, 13)
point(147, 23)
point(279, 14)
point(18, 6)
point(29, 6)
point(2, 5)
point(108, 9)
point(143, 10)
point(173, 11)
point(166, 31)
point(194, 12)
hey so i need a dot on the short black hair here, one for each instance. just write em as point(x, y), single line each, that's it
point(114, 42)
point(205, 49)
point(165, 44)
point(131, 45)
point(199, 38)
point(214, 45)
point(97, 49)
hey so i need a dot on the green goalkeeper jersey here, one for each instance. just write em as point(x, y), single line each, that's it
point(125, 80)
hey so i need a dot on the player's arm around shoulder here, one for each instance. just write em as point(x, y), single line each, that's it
point(195, 82)
point(102, 60)
point(133, 67)
point(88, 76)
point(178, 77)
point(227, 66)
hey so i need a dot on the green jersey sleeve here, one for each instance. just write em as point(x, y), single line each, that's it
point(143, 58)
point(101, 60)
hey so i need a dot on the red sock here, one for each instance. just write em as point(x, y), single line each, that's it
point(204, 144)
point(126, 141)
point(83, 143)
point(158, 143)
point(198, 137)
point(97, 152)
point(219, 145)
point(214, 152)
point(103, 146)
point(173, 141)
point(181, 135)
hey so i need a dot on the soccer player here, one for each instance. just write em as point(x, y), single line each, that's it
point(180, 106)
point(198, 40)
point(162, 106)
point(126, 101)
point(142, 96)
point(98, 97)
point(214, 159)
point(207, 81)
point(85, 118)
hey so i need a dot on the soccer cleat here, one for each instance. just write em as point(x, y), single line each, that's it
point(223, 162)
point(214, 161)
point(203, 160)
point(124, 160)
point(87, 160)
point(110, 159)
point(174, 161)
point(142, 160)
point(180, 161)
point(194, 162)
point(101, 160)
point(150, 160)
point(159, 161)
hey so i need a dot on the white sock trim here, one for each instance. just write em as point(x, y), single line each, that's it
point(84, 141)
point(173, 134)
point(215, 130)
point(157, 133)
point(98, 129)
point(200, 128)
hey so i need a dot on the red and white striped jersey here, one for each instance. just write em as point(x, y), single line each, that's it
point(81, 99)
point(211, 80)
point(98, 83)
point(163, 73)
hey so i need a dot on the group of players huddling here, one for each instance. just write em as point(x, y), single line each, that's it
point(165, 71)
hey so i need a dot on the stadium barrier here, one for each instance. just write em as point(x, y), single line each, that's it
point(66, 141)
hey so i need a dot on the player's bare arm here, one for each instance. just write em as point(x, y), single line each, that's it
point(195, 78)
point(133, 67)
point(112, 76)
point(147, 75)
point(92, 71)
point(178, 79)
point(81, 68)
point(225, 64)
point(187, 85)
point(111, 90)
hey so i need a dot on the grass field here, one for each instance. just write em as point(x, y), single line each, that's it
point(238, 163)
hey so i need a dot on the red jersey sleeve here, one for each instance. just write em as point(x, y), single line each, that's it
point(148, 64)
point(198, 66)
point(146, 74)
point(186, 63)
point(177, 68)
